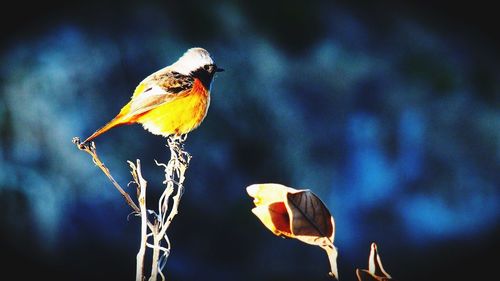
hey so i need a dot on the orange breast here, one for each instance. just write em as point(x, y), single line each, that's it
point(179, 116)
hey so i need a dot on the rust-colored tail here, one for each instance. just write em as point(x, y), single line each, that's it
point(117, 121)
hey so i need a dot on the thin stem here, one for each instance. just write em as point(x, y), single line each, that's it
point(174, 179)
point(91, 149)
point(141, 186)
point(331, 251)
point(156, 253)
point(177, 166)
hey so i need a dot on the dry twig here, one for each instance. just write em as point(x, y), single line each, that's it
point(159, 223)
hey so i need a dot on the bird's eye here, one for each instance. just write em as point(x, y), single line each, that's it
point(207, 67)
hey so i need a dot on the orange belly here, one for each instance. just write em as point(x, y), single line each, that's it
point(179, 116)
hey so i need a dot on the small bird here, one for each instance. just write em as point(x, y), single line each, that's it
point(173, 100)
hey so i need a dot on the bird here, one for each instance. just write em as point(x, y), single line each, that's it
point(171, 101)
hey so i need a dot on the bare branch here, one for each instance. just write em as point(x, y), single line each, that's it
point(174, 178)
point(156, 253)
point(141, 191)
point(91, 149)
point(158, 224)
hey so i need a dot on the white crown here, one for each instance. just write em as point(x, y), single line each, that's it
point(191, 60)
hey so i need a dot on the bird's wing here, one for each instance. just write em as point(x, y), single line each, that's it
point(157, 89)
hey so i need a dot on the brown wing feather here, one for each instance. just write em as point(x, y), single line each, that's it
point(162, 87)
point(174, 82)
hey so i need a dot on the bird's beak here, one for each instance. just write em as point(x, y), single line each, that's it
point(219, 69)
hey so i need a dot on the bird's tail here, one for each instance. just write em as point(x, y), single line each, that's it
point(117, 121)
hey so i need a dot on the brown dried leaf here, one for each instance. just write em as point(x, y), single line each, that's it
point(309, 215)
point(298, 214)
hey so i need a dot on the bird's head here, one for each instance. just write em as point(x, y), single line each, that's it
point(196, 61)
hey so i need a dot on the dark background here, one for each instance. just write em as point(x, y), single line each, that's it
point(388, 111)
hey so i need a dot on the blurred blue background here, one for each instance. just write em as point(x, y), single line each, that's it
point(389, 112)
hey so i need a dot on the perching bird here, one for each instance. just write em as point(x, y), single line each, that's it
point(172, 101)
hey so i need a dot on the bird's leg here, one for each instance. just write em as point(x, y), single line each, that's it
point(176, 145)
point(183, 138)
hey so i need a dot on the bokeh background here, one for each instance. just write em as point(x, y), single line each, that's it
point(390, 112)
